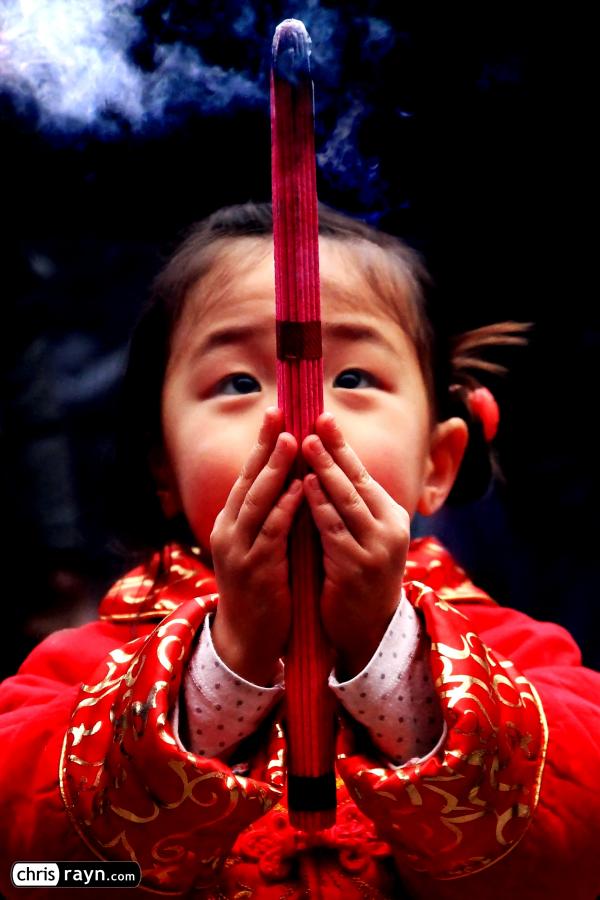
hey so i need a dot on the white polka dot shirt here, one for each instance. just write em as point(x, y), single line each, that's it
point(393, 697)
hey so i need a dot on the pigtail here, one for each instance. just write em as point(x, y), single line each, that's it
point(466, 361)
point(466, 349)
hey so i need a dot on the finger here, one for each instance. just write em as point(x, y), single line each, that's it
point(374, 495)
point(276, 527)
point(330, 524)
point(266, 488)
point(340, 490)
point(260, 453)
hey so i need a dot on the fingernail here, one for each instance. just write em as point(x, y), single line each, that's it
point(316, 444)
point(295, 486)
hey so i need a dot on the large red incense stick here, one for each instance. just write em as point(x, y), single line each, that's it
point(311, 780)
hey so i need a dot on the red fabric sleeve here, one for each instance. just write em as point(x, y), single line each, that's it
point(129, 791)
point(35, 710)
point(510, 806)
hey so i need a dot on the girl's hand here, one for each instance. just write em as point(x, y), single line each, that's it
point(365, 536)
point(249, 551)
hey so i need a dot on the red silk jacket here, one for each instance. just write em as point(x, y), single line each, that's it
point(508, 807)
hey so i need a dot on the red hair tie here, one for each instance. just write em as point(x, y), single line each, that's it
point(483, 406)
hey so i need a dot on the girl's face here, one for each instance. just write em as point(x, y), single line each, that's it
point(221, 377)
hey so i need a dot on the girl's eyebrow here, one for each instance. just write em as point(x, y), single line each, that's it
point(358, 331)
point(231, 335)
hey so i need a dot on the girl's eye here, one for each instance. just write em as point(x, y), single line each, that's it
point(240, 383)
point(354, 378)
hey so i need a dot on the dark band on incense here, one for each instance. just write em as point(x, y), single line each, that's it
point(298, 340)
point(311, 794)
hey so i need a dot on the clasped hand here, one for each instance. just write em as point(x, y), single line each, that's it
point(364, 534)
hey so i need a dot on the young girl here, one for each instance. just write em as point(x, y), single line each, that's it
point(468, 734)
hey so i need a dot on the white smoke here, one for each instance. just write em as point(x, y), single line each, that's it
point(341, 161)
point(73, 58)
point(74, 63)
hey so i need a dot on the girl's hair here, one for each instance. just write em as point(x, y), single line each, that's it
point(397, 276)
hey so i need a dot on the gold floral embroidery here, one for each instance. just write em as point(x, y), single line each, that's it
point(80, 731)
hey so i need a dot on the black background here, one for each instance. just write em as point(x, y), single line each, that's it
point(479, 125)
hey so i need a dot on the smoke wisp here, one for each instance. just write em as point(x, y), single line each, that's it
point(104, 67)
point(74, 60)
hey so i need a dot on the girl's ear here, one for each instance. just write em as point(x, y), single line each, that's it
point(448, 444)
point(164, 479)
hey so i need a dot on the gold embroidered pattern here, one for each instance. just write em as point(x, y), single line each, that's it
point(483, 787)
point(157, 801)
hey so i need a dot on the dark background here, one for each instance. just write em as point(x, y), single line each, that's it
point(466, 134)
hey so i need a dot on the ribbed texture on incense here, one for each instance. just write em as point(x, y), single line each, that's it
point(311, 781)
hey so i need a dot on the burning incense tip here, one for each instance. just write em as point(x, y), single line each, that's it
point(291, 51)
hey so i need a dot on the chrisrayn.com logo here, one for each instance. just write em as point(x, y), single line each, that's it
point(75, 874)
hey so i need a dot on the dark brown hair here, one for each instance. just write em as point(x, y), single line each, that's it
point(398, 278)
